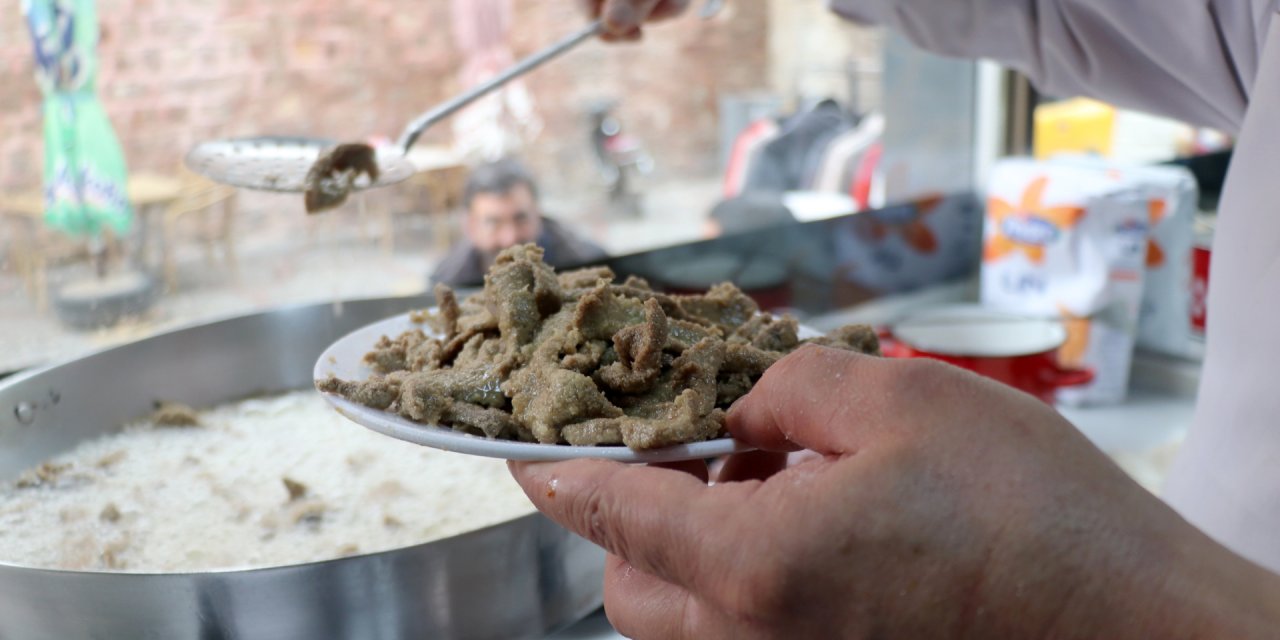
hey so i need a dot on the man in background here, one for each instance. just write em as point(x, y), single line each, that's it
point(502, 210)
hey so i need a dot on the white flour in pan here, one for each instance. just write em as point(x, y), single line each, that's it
point(214, 497)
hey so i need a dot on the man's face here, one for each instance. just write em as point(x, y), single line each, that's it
point(498, 221)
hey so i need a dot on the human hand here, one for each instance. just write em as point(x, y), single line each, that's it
point(624, 18)
point(943, 505)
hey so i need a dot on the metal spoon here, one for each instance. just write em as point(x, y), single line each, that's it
point(328, 173)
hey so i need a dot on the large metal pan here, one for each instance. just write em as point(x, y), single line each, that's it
point(519, 579)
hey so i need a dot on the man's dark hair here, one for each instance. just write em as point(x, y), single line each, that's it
point(497, 178)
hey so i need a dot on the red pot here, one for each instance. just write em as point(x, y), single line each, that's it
point(1016, 350)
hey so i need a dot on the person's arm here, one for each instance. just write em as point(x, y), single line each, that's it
point(1191, 59)
point(942, 505)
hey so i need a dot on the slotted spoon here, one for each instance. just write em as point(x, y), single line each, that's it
point(327, 172)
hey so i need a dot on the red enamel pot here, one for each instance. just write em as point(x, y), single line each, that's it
point(1019, 351)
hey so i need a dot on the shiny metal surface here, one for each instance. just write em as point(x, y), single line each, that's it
point(271, 163)
point(283, 164)
point(519, 579)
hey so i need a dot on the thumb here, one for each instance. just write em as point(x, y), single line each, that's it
point(834, 402)
point(626, 16)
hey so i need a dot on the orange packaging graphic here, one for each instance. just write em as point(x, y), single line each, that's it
point(1070, 241)
point(1165, 324)
point(910, 245)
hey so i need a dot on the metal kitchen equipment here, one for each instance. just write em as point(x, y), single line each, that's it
point(283, 164)
point(518, 579)
point(287, 164)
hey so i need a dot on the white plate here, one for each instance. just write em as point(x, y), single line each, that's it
point(345, 359)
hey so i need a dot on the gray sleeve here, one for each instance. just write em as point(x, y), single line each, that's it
point(1194, 60)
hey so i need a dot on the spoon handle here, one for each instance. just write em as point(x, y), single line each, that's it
point(534, 61)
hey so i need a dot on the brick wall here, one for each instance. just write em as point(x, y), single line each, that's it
point(813, 54)
point(174, 72)
point(19, 105)
point(667, 86)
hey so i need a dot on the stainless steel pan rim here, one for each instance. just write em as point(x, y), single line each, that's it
point(521, 578)
point(280, 567)
point(281, 163)
point(419, 301)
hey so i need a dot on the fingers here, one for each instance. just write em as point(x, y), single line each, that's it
point(640, 605)
point(695, 468)
point(634, 35)
point(831, 401)
point(801, 457)
point(668, 9)
point(624, 18)
point(643, 607)
point(656, 519)
point(752, 465)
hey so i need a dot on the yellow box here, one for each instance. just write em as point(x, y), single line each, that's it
point(1078, 125)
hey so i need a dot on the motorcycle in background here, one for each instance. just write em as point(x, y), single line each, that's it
point(620, 157)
